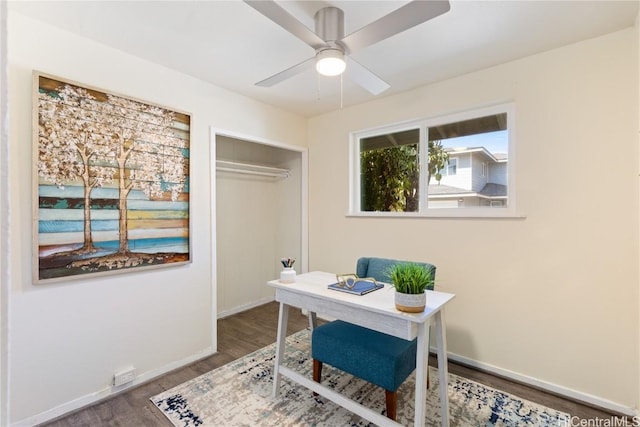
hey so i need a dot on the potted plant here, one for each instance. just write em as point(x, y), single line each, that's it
point(410, 281)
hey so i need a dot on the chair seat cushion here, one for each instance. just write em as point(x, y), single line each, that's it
point(381, 359)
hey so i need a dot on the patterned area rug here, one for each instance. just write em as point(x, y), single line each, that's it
point(239, 394)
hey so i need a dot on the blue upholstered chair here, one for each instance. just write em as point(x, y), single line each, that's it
point(378, 358)
point(378, 268)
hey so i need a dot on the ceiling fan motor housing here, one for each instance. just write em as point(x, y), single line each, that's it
point(329, 26)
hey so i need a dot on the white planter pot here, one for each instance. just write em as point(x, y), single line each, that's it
point(411, 303)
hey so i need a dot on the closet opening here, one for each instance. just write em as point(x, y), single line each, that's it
point(259, 216)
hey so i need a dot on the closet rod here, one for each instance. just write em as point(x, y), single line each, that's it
point(250, 169)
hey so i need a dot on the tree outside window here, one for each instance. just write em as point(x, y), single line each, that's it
point(390, 172)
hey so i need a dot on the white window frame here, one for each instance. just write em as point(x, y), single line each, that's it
point(423, 125)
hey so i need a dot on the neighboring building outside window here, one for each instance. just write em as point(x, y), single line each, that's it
point(463, 159)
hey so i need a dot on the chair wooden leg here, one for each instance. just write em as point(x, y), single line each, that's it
point(391, 398)
point(317, 372)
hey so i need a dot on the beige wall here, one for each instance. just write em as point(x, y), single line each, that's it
point(553, 296)
point(67, 339)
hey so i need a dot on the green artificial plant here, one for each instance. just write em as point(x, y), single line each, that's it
point(410, 278)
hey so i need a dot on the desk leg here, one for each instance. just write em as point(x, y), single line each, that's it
point(422, 366)
point(313, 320)
point(443, 370)
point(283, 320)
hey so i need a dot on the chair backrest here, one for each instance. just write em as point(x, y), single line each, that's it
point(378, 268)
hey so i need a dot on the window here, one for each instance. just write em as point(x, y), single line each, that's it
point(389, 177)
point(450, 168)
point(456, 165)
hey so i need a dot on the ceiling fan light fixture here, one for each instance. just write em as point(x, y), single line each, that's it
point(330, 62)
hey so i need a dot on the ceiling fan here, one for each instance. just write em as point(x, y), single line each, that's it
point(333, 48)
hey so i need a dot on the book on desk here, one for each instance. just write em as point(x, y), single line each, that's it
point(360, 287)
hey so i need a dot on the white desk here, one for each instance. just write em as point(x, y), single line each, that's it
point(377, 311)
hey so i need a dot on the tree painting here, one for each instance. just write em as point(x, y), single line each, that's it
point(113, 177)
point(145, 155)
point(68, 145)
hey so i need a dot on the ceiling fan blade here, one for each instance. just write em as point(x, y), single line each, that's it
point(277, 14)
point(365, 78)
point(289, 72)
point(401, 19)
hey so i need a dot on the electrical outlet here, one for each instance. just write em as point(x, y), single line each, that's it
point(124, 377)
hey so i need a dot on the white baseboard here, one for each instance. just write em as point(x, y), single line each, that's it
point(108, 392)
point(546, 386)
point(569, 393)
point(244, 307)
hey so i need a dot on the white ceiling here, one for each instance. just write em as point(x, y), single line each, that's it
point(229, 44)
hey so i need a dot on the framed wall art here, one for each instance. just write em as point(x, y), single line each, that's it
point(111, 182)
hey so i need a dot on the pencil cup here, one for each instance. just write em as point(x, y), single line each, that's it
point(288, 275)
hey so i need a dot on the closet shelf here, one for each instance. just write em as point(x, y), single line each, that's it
point(251, 169)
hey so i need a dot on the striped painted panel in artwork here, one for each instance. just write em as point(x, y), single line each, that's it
point(64, 238)
point(77, 192)
point(167, 244)
point(150, 246)
point(97, 204)
point(58, 226)
point(103, 214)
point(74, 191)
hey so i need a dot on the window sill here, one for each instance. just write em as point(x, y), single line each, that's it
point(444, 213)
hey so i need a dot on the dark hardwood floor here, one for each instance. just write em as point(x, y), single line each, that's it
point(248, 331)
